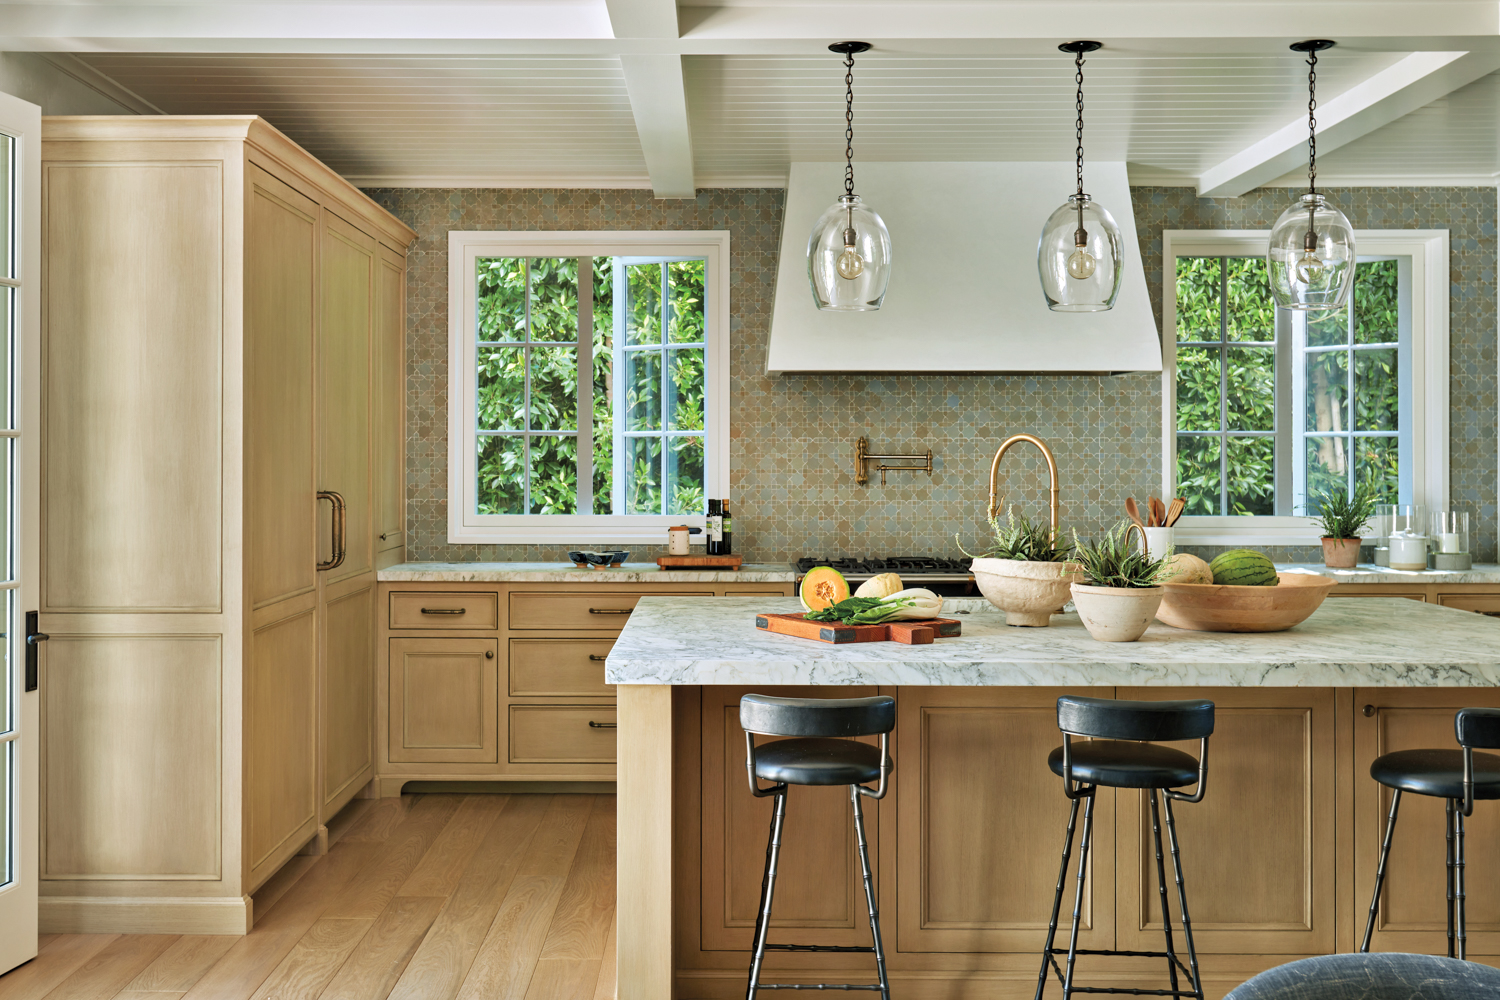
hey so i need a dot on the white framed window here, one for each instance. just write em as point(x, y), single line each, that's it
point(1266, 409)
point(589, 384)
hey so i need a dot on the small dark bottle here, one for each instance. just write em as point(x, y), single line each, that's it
point(725, 530)
point(712, 532)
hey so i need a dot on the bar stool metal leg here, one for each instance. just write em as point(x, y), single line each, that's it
point(1458, 880)
point(1449, 805)
point(1187, 921)
point(1161, 885)
point(1385, 853)
point(1062, 878)
point(1083, 868)
point(864, 863)
point(767, 890)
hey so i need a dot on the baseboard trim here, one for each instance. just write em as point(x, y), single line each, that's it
point(144, 915)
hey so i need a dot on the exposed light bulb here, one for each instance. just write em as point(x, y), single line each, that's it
point(1311, 269)
point(1081, 264)
point(850, 264)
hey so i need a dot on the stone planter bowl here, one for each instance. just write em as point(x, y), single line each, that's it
point(1029, 593)
point(1116, 614)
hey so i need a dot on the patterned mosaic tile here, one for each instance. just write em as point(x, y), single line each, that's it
point(792, 437)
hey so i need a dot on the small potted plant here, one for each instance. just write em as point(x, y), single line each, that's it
point(1121, 586)
point(1342, 518)
point(1025, 572)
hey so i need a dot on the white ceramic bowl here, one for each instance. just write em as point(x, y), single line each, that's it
point(1029, 593)
point(1116, 614)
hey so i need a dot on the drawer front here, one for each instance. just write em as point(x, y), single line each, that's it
point(443, 699)
point(608, 609)
point(1485, 604)
point(432, 610)
point(545, 668)
point(562, 734)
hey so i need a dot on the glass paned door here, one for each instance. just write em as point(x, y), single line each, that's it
point(20, 259)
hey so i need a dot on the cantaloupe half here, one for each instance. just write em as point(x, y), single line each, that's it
point(821, 587)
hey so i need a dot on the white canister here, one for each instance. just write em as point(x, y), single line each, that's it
point(1157, 541)
point(1408, 550)
point(677, 540)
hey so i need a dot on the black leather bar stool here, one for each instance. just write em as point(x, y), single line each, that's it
point(1460, 776)
point(1118, 754)
point(822, 752)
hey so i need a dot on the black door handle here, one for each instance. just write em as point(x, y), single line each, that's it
point(32, 638)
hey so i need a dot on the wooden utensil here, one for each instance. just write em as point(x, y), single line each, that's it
point(1134, 512)
point(1175, 510)
point(1158, 513)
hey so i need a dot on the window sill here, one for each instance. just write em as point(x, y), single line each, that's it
point(648, 530)
point(1244, 532)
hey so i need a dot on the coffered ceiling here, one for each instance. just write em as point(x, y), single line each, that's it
point(699, 93)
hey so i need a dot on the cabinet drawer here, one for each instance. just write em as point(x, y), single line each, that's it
point(1485, 604)
point(434, 610)
point(549, 667)
point(443, 696)
point(562, 734)
point(608, 609)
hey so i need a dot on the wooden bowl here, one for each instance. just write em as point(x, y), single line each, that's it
point(1210, 607)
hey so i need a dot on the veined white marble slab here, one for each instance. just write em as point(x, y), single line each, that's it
point(1370, 573)
point(1348, 642)
point(520, 572)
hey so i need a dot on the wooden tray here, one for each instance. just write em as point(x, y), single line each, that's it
point(700, 562)
point(913, 633)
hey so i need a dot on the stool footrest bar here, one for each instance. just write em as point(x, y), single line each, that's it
point(859, 949)
point(817, 986)
point(1136, 993)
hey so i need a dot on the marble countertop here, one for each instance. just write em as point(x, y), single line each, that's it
point(1370, 573)
point(1370, 641)
point(521, 572)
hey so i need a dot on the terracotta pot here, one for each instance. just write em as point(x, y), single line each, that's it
point(1029, 593)
point(1116, 614)
point(1340, 553)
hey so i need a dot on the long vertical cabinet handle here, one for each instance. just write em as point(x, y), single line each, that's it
point(340, 525)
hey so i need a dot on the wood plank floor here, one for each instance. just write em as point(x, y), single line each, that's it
point(425, 897)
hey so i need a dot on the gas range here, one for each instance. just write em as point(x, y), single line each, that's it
point(945, 577)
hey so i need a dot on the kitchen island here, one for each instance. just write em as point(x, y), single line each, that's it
point(1279, 855)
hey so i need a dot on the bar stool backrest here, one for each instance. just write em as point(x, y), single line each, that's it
point(1478, 728)
point(1154, 721)
point(770, 715)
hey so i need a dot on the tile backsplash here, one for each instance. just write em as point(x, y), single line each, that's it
point(792, 437)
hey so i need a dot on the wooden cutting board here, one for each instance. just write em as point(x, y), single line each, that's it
point(913, 633)
point(700, 562)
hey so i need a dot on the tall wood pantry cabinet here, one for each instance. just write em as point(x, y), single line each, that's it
point(221, 477)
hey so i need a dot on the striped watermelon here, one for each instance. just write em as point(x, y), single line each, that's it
point(1244, 568)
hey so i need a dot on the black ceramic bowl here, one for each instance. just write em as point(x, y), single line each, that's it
point(592, 558)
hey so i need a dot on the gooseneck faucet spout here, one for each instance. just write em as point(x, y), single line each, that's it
point(1051, 475)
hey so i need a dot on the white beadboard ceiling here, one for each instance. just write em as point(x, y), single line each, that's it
point(698, 93)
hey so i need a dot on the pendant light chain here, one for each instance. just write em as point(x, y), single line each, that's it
point(849, 124)
point(1078, 124)
point(1312, 122)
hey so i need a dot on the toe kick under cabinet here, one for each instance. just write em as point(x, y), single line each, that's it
point(505, 682)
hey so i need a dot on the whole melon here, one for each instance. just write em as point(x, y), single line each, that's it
point(1184, 567)
point(821, 587)
point(1244, 568)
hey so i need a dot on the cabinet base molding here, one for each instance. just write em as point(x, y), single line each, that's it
point(392, 785)
point(144, 915)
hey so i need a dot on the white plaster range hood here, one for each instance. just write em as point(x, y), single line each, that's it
point(964, 293)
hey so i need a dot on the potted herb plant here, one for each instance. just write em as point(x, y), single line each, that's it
point(1121, 586)
point(1025, 572)
point(1342, 518)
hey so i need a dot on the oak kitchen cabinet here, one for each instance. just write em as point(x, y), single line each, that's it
point(505, 681)
point(223, 327)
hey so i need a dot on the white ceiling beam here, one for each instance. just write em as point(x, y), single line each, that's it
point(1410, 83)
point(658, 100)
point(643, 18)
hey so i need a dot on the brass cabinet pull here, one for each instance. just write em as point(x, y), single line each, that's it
point(445, 611)
point(610, 611)
point(340, 527)
point(489, 654)
point(1369, 711)
point(597, 658)
point(602, 725)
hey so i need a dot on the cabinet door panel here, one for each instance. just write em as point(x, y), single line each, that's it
point(1269, 806)
point(982, 822)
point(281, 737)
point(1413, 912)
point(390, 401)
point(280, 262)
point(444, 697)
point(819, 894)
point(344, 355)
point(348, 697)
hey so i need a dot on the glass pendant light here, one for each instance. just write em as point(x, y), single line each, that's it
point(1312, 247)
point(849, 252)
point(1078, 256)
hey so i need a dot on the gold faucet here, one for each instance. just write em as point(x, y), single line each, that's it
point(1051, 475)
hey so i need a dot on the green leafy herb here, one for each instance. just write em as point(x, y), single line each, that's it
point(1020, 539)
point(844, 610)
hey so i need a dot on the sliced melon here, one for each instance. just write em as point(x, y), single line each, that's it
point(821, 587)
